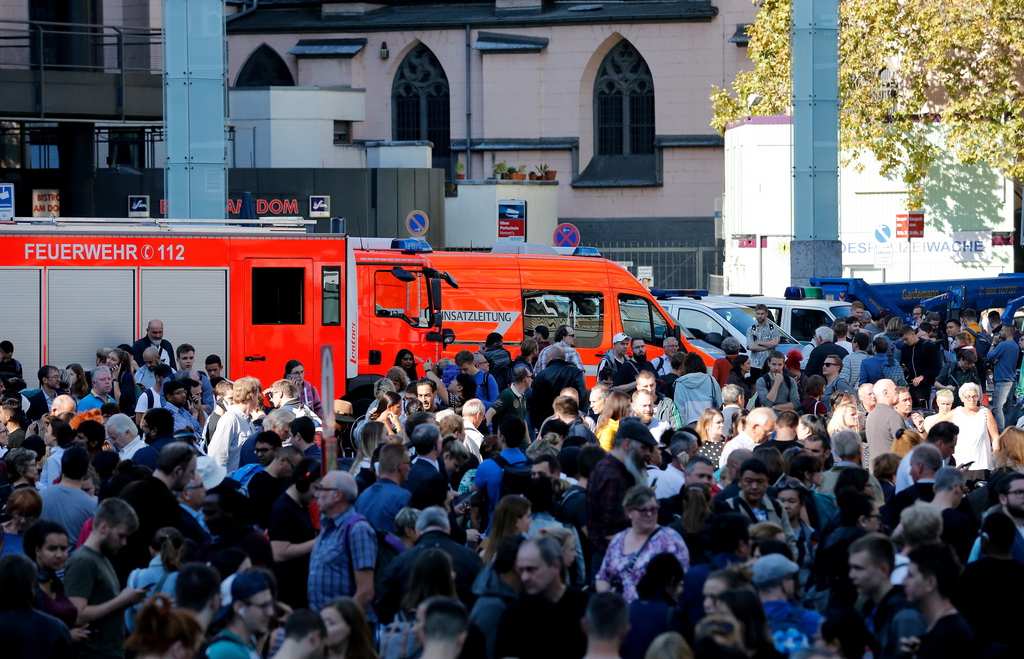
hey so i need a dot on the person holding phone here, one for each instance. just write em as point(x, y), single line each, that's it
point(305, 392)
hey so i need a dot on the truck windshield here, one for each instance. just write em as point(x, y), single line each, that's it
point(840, 311)
point(743, 317)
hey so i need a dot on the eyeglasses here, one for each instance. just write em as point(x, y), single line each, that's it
point(266, 606)
point(320, 488)
point(571, 334)
point(831, 364)
point(297, 373)
point(195, 487)
point(1016, 492)
point(649, 510)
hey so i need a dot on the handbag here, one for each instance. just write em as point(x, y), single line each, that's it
point(616, 584)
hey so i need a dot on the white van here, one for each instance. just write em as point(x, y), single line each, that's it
point(712, 320)
point(798, 317)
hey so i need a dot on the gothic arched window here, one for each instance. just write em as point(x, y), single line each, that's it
point(624, 104)
point(421, 103)
point(264, 68)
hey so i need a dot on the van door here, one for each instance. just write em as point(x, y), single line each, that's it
point(278, 317)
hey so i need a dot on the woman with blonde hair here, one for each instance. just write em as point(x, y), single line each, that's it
point(711, 429)
point(905, 441)
point(1011, 450)
point(844, 417)
point(616, 408)
point(670, 645)
point(944, 403)
point(511, 517)
point(567, 541)
point(371, 435)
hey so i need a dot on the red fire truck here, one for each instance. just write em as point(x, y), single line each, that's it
point(256, 297)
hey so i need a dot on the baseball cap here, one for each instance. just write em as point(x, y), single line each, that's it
point(772, 568)
point(634, 429)
point(621, 336)
point(238, 588)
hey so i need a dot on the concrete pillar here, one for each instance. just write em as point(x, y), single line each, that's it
point(816, 250)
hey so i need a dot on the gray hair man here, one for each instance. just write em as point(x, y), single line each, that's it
point(846, 444)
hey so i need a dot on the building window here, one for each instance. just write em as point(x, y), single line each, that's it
point(421, 104)
point(624, 104)
point(343, 132)
point(264, 68)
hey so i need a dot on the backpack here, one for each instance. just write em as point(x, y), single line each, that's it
point(982, 344)
point(388, 549)
point(515, 479)
point(398, 639)
point(788, 633)
point(893, 371)
point(501, 367)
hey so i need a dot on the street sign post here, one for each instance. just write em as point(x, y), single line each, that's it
point(6, 200)
point(416, 223)
point(566, 235)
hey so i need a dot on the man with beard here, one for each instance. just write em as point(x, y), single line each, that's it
point(643, 409)
point(625, 379)
point(755, 503)
point(664, 408)
point(92, 584)
point(1010, 490)
point(905, 406)
point(623, 467)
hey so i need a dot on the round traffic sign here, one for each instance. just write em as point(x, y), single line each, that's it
point(883, 233)
point(567, 235)
point(417, 223)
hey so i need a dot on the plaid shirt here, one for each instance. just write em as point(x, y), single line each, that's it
point(182, 419)
point(337, 554)
point(605, 491)
point(571, 356)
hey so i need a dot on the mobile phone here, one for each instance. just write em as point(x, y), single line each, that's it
point(965, 466)
point(461, 499)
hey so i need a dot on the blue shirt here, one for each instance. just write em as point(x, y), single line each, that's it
point(1004, 360)
point(488, 392)
point(380, 502)
point(489, 475)
point(871, 369)
point(93, 402)
point(336, 556)
point(182, 419)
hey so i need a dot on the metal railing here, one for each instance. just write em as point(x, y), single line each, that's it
point(48, 46)
point(677, 265)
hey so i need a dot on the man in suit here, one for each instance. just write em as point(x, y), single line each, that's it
point(434, 528)
point(427, 483)
point(155, 338)
point(924, 462)
point(39, 403)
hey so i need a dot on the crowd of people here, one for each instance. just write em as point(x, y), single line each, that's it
point(862, 499)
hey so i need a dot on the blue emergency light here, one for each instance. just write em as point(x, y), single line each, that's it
point(411, 245)
point(695, 293)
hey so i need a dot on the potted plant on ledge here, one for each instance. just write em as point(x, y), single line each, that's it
point(545, 173)
point(500, 170)
point(459, 169)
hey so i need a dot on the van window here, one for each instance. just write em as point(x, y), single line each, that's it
point(393, 298)
point(584, 312)
point(775, 315)
point(640, 320)
point(278, 295)
point(803, 322)
point(700, 323)
point(330, 292)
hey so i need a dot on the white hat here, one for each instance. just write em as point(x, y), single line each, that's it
point(211, 472)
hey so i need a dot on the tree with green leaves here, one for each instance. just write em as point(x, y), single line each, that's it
point(916, 79)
